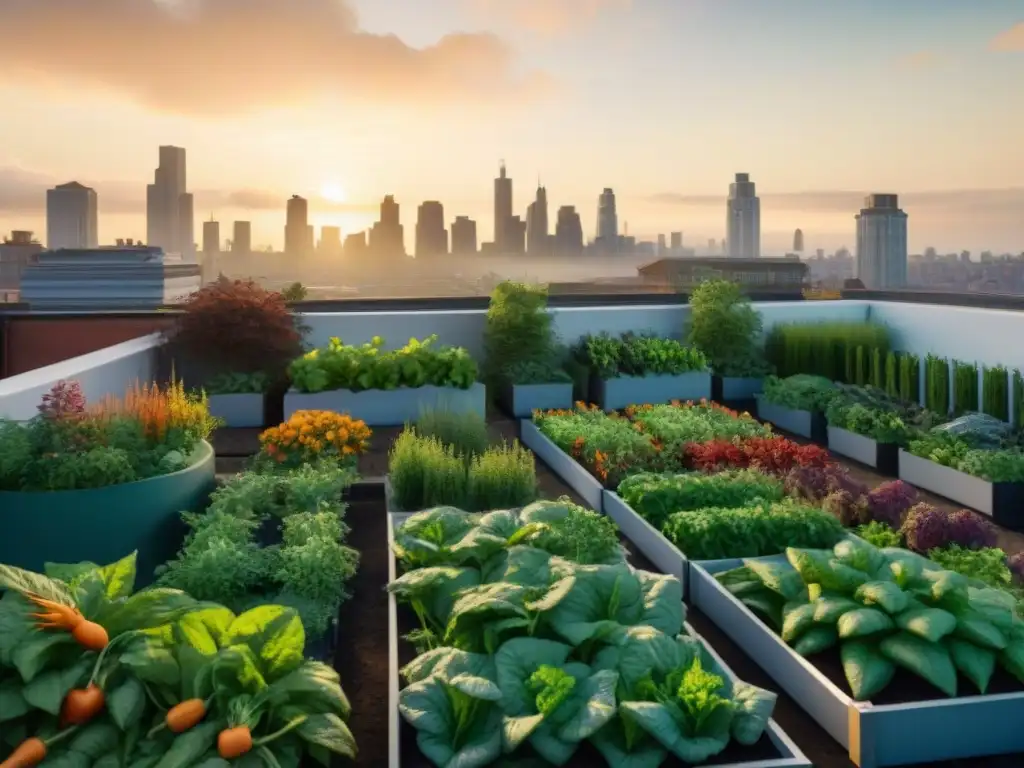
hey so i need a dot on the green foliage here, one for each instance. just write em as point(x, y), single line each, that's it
point(1018, 399)
point(891, 376)
point(751, 531)
point(518, 335)
point(910, 373)
point(534, 372)
point(236, 383)
point(633, 355)
point(987, 565)
point(295, 292)
point(727, 329)
point(165, 647)
point(881, 426)
point(800, 392)
point(1004, 465)
point(674, 425)
point(827, 349)
point(465, 432)
point(996, 392)
point(880, 535)
point(368, 366)
point(965, 387)
point(426, 472)
point(936, 384)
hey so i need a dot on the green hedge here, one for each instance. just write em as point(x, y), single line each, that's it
point(826, 349)
point(995, 392)
point(936, 384)
point(965, 387)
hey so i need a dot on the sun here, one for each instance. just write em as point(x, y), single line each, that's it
point(333, 192)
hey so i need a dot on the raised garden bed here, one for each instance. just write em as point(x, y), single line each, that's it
point(100, 524)
point(389, 407)
point(735, 388)
point(809, 424)
point(238, 410)
point(905, 724)
point(615, 394)
point(773, 750)
point(881, 456)
point(647, 539)
point(521, 400)
point(1003, 502)
point(571, 471)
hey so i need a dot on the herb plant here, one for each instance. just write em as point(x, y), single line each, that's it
point(676, 424)
point(465, 432)
point(825, 349)
point(725, 326)
point(881, 535)
point(534, 372)
point(637, 355)
point(519, 343)
point(237, 383)
point(881, 426)
point(800, 392)
point(995, 395)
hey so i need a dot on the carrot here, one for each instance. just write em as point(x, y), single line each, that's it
point(82, 704)
point(233, 742)
point(55, 615)
point(29, 753)
point(90, 635)
point(185, 715)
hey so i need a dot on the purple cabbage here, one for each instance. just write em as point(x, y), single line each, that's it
point(927, 528)
point(971, 530)
point(890, 502)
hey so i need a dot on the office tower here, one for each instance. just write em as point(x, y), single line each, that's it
point(676, 241)
point(607, 218)
point(387, 236)
point(355, 245)
point(882, 243)
point(463, 236)
point(819, 254)
point(169, 214)
point(712, 244)
point(514, 237)
point(502, 206)
point(296, 228)
point(743, 219)
point(537, 241)
point(330, 241)
point(431, 236)
point(798, 241)
point(568, 231)
point(241, 238)
point(662, 247)
point(211, 238)
point(71, 217)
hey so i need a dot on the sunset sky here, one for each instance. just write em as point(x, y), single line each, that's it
point(663, 100)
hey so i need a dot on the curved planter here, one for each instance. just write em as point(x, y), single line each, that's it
point(102, 525)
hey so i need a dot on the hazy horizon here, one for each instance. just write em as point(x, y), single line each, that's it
point(343, 102)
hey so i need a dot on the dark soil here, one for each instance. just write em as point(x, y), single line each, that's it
point(361, 657)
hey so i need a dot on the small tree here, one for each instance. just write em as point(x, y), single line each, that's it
point(517, 329)
point(726, 328)
point(295, 292)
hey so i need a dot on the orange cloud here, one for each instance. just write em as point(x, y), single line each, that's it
point(226, 56)
point(1011, 39)
point(547, 17)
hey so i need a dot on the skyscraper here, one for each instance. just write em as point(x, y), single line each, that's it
point(502, 206)
point(241, 238)
point(882, 243)
point(662, 247)
point(169, 214)
point(431, 236)
point(798, 241)
point(676, 241)
point(330, 241)
point(537, 240)
point(387, 236)
point(607, 219)
point(211, 238)
point(297, 233)
point(463, 236)
point(568, 231)
point(71, 217)
point(743, 219)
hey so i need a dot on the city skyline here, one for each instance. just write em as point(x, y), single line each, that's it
point(587, 94)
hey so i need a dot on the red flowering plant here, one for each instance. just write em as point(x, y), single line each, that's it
point(772, 455)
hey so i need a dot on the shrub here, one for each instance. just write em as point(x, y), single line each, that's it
point(501, 477)
point(965, 387)
point(927, 528)
point(824, 349)
point(310, 436)
point(517, 330)
point(995, 392)
point(936, 384)
point(236, 326)
point(727, 329)
point(64, 401)
point(845, 507)
point(774, 455)
point(800, 393)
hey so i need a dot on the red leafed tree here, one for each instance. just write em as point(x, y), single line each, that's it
point(237, 326)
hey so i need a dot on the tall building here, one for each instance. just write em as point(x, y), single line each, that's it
point(387, 236)
point(662, 247)
point(743, 219)
point(298, 235)
point(463, 236)
point(798, 241)
point(607, 219)
point(71, 216)
point(676, 241)
point(330, 241)
point(514, 237)
point(502, 206)
point(431, 236)
point(882, 243)
point(169, 214)
point(537, 240)
point(568, 231)
point(355, 245)
point(241, 238)
point(211, 238)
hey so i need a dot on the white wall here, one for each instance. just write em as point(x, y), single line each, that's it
point(108, 371)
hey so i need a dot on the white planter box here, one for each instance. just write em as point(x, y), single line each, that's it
point(807, 424)
point(615, 394)
point(389, 407)
point(646, 538)
point(875, 736)
point(789, 755)
point(1003, 502)
point(521, 400)
point(737, 388)
point(238, 410)
point(882, 456)
point(562, 464)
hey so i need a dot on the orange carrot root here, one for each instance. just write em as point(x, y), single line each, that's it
point(185, 715)
point(82, 704)
point(234, 742)
point(55, 615)
point(29, 753)
point(90, 635)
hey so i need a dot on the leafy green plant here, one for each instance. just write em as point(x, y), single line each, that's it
point(881, 426)
point(676, 424)
point(826, 349)
point(910, 371)
point(891, 376)
point(517, 330)
point(237, 383)
point(880, 534)
point(996, 392)
point(369, 366)
point(800, 392)
point(1018, 399)
point(987, 565)
point(465, 432)
point(860, 366)
point(965, 387)
point(936, 384)
point(884, 609)
point(725, 326)
point(1004, 465)
point(637, 355)
point(655, 497)
point(534, 372)
point(762, 528)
